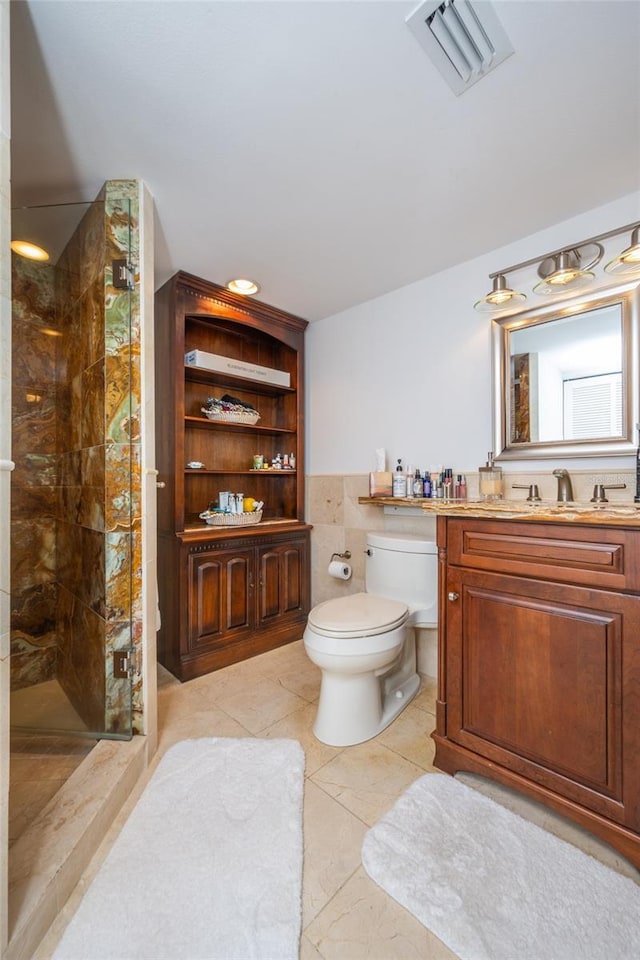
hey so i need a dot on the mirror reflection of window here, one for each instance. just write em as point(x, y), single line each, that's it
point(566, 378)
point(593, 406)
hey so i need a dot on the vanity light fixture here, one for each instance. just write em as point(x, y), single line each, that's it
point(241, 285)
point(629, 260)
point(500, 296)
point(24, 248)
point(567, 269)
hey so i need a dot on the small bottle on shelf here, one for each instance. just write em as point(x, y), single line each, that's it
point(399, 481)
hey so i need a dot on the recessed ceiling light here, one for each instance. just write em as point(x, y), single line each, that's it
point(29, 250)
point(243, 286)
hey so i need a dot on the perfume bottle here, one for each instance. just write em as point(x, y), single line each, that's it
point(490, 479)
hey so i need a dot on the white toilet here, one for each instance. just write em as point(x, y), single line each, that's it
point(365, 643)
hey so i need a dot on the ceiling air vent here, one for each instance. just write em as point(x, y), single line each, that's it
point(464, 40)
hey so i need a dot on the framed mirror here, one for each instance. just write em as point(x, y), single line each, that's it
point(566, 377)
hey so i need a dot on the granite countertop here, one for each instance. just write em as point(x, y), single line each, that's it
point(578, 511)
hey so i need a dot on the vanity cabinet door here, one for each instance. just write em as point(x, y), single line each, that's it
point(220, 597)
point(282, 580)
point(543, 679)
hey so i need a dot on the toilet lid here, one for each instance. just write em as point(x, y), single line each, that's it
point(359, 615)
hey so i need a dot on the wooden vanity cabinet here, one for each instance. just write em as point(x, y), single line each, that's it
point(539, 677)
point(228, 593)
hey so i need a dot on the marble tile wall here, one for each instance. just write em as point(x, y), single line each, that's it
point(77, 520)
point(34, 586)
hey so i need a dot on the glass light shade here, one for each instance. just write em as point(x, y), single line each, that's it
point(567, 273)
point(575, 281)
point(24, 248)
point(243, 286)
point(500, 297)
point(629, 260)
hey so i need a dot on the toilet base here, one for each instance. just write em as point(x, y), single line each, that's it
point(353, 709)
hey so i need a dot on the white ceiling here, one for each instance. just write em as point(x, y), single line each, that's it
point(312, 145)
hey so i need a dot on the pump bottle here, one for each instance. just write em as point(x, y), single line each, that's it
point(399, 481)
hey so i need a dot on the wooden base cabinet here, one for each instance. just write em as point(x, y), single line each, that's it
point(539, 680)
point(233, 598)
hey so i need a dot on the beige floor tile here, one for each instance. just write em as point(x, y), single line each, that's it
point(175, 704)
point(299, 726)
point(307, 950)
point(260, 705)
point(226, 682)
point(282, 659)
point(304, 681)
point(362, 923)
point(204, 723)
point(426, 697)
point(410, 736)
point(291, 668)
point(367, 779)
point(332, 849)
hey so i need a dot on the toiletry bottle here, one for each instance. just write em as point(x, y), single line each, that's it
point(399, 481)
point(418, 488)
point(426, 485)
point(408, 479)
point(447, 484)
point(490, 479)
point(463, 487)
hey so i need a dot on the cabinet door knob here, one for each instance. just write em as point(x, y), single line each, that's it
point(160, 484)
point(452, 595)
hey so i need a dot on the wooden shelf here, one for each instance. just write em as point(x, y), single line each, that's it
point(229, 382)
point(242, 473)
point(203, 422)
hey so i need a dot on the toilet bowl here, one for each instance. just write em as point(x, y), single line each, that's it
point(364, 643)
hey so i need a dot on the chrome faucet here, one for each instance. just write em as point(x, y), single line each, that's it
point(565, 490)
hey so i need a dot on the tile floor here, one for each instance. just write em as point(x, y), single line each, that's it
point(345, 915)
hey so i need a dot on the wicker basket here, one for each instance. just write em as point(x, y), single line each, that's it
point(229, 416)
point(232, 519)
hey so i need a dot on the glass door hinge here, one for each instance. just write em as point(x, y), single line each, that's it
point(123, 275)
point(123, 664)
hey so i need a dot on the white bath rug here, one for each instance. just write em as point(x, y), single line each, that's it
point(493, 886)
point(209, 864)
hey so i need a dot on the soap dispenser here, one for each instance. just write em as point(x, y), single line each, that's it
point(399, 481)
point(490, 482)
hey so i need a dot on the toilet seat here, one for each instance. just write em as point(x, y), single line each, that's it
point(358, 615)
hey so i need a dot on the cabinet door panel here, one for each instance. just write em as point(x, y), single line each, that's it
point(535, 682)
point(219, 597)
point(269, 584)
point(282, 580)
point(292, 594)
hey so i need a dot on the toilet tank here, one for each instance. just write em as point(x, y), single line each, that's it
point(404, 567)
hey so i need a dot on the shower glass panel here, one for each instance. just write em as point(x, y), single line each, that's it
point(71, 493)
